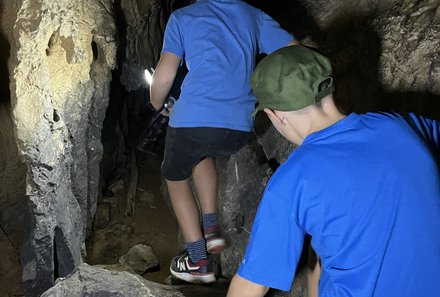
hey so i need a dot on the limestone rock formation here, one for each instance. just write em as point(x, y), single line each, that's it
point(92, 281)
point(62, 53)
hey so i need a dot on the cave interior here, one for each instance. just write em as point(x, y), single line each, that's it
point(80, 177)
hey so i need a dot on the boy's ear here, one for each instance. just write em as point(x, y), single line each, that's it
point(273, 116)
point(269, 112)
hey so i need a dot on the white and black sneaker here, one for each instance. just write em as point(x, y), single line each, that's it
point(198, 273)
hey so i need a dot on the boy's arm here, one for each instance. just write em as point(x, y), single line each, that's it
point(427, 128)
point(241, 287)
point(163, 78)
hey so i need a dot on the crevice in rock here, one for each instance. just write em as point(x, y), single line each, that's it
point(63, 260)
point(53, 44)
point(56, 116)
point(95, 51)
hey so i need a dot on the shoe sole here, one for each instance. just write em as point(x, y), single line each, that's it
point(195, 279)
point(216, 246)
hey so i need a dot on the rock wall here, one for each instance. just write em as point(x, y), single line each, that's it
point(144, 23)
point(13, 210)
point(409, 67)
point(61, 56)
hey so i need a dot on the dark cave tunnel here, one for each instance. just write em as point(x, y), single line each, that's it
point(133, 139)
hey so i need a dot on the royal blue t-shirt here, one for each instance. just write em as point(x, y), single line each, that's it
point(219, 40)
point(367, 190)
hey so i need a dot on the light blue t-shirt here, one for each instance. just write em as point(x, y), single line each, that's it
point(367, 189)
point(219, 40)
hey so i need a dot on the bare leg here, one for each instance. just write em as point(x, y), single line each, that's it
point(205, 181)
point(185, 208)
point(313, 273)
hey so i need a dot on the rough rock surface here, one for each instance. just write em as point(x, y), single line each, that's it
point(411, 57)
point(241, 181)
point(385, 53)
point(62, 54)
point(333, 13)
point(92, 281)
point(241, 184)
point(140, 258)
point(145, 23)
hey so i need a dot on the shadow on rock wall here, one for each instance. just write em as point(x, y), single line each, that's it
point(355, 49)
point(12, 180)
point(12, 170)
point(4, 75)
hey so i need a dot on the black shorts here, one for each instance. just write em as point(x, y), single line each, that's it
point(186, 147)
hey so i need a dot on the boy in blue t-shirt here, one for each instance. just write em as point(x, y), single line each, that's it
point(365, 187)
point(219, 41)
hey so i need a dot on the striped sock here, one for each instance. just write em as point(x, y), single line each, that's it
point(209, 220)
point(196, 250)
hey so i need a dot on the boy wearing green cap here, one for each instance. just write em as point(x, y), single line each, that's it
point(365, 187)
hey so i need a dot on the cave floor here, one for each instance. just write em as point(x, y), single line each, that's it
point(152, 224)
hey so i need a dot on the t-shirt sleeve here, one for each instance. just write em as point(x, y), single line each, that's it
point(275, 245)
point(173, 41)
point(272, 36)
point(429, 129)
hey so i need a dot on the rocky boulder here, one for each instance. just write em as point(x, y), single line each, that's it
point(88, 281)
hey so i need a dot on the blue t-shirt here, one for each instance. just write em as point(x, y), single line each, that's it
point(367, 189)
point(219, 40)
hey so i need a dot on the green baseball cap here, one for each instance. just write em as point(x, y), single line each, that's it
point(292, 78)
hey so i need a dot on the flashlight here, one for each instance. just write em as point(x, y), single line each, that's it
point(148, 75)
point(169, 103)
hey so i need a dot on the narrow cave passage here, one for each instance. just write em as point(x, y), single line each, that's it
point(148, 219)
point(151, 223)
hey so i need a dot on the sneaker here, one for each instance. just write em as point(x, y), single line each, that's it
point(198, 273)
point(214, 241)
